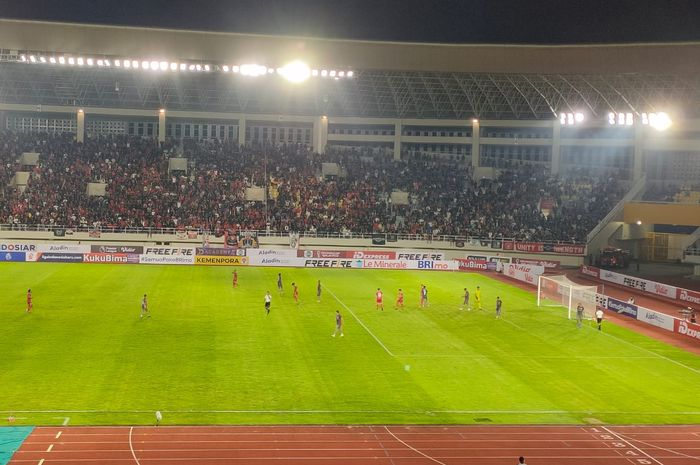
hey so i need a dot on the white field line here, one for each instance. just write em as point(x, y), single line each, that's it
point(131, 446)
point(413, 448)
point(360, 321)
point(405, 412)
point(631, 445)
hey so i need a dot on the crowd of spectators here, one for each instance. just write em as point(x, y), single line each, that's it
point(444, 198)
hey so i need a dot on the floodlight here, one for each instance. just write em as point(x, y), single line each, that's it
point(639, 222)
point(225, 68)
point(191, 68)
point(183, 66)
point(90, 62)
point(163, 65)
point(611, 118)
point(127, 64)
point(235, 68)
point(562, 118)
point(71, 61)
point(100, 63)
point(162, 110)
point(135, 64)
point(314, 72)
point(324, 73)
point(578, 116)
point(332, 73)
point(660, 121)
point(620, 118)
point(253, 70)
point(474, 120)
point(296, 71)
point(62, 60)
point(350, 74)
point(173, 66)
point(52, 60)
point(80, 61)
point(629, 119)
point(207, 68)
point(42, 59)
point(32, 58)
point(645, 118)
point(23, 58)
point(117, 63)
point(341, 73)
point(106, 62)
point(154, 65)
point(198, 67)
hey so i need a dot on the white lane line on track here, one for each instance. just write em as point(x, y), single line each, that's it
point(631, 445)
point(629, 440)
point(413, 448)
point(360, 322)
point(131, 446)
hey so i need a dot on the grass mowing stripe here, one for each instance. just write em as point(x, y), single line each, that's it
point(360, 321)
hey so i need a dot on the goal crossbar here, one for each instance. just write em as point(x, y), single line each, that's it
point(560, 291)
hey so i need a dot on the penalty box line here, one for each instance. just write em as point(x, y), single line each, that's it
point(379, 341)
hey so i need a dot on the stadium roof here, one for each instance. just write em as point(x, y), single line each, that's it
point(405, 80)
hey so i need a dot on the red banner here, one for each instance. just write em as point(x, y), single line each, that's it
point(541, 247)
point(689, 296)
point(590, 271)
point(352, 254)
point(687, 329)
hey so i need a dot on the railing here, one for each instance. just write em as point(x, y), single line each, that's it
point(636, 188)
point(695, 252)
point(472, 240)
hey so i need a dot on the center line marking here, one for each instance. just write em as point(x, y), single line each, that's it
point(49, 449)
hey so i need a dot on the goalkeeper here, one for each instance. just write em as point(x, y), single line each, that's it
point(579, 315)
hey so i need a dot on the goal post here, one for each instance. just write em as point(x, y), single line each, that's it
point(560, 291)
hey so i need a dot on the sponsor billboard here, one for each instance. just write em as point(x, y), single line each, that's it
point(357, 254)
point(220, 260)
point(63, 248)
point(644, 285)
point(170, 251)
point(58, 257)
point(688, 296)
point(262, 260)
point(378, 239)
point(547, 264)
point(540, 247)
point(655, 318)
point(110, 258)
point(217, 251)
point(525, 273)
point(13, 256)
point(591, 271)
point(385, 264)
point(472, 264)
point(687, 329)
point(623, 308)
point(419, 255)
point(9, 247)
point(166, 259)
point(332, 263)
point(133, 249)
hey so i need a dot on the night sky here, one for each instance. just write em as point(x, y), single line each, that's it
point(466, 21)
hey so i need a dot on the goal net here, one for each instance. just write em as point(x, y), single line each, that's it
point(560, 291)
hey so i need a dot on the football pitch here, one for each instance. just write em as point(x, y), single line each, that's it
point(210, 354)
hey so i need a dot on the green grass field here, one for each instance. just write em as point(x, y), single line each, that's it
point(210, 355)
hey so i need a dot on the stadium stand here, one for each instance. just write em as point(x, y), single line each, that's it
point(444, 197)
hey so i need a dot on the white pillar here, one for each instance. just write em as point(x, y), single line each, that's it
point(475, 143)
point(161, 125)
point(80, 133)
point(241, 131)
point(320, 136)
point(397, 141)
point(638, 159)
point(556, 147)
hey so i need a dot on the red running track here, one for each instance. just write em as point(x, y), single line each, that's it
point(360, 445)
